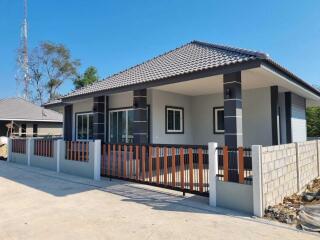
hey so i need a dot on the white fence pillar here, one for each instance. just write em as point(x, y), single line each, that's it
point(28, 151)
point(213, 170)
point(97, 159)
point(58, 149)
point(257, 180)
point(318, 156)
point(9, 158)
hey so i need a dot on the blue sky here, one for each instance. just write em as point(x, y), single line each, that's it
point(116, 34)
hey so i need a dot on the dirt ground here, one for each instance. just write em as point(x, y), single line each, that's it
point(39, 204)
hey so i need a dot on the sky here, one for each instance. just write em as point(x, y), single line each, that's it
point(113, 35)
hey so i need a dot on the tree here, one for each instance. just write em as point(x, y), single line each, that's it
point(90, 76)
point(313, 121)
point(50, 65)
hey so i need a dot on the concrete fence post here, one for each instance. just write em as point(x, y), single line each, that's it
point(9, 158)
point(213, 170)
point(97, 160)
point(28, 142)
point(59, 142)
point(257, 183)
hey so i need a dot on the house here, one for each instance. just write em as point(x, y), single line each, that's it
point(195, 94)
point(21, 118)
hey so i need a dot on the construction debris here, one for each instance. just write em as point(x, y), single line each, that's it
point(302, 210)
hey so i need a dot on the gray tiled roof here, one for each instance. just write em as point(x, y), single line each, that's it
point(18, 108)
point(192, 57)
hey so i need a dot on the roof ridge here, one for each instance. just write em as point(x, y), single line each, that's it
point(234, 49)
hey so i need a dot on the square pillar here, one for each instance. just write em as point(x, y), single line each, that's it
point(275, 114)
point(232, 109)
point(67, 122)
point(140, 117)
point(98, 117)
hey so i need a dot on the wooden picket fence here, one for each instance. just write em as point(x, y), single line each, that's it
point(235, 165)
point(43, 147)
point(179, 167)
point(19, 146)
point(77, 151)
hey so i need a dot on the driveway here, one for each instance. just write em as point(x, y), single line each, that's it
point(39, 204)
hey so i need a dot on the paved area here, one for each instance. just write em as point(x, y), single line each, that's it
point(39, 204)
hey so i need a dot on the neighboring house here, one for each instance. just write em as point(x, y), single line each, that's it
point(19, 117)
point(195, 94)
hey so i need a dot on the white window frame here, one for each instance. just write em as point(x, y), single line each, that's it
point(82, 114)
point(119, 110)
point(174, 109)
point(216, 110)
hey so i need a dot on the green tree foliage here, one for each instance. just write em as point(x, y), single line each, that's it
point(90, 76)
point(313, 121)
point(50, 65)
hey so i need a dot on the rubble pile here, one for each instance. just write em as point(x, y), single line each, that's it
point(289, 210)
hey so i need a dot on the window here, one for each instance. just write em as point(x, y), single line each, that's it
point(84, 124)
point(35, 130)
point(218, 120)
point(174, 120)
point(23, 130)
point(121, 126)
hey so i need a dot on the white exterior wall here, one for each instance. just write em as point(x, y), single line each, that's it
point(298, 119)
point(160, 99)
point(256, 115)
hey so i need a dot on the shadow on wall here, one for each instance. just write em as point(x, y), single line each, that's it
point(60, 185)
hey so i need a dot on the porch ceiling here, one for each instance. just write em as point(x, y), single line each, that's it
point(251, 79)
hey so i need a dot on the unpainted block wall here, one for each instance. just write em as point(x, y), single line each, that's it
point(307, 162)
point(279, 173)
point(287, 169)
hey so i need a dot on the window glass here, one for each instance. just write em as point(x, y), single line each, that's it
point(218, 120)
point(170, 120)
point(84, 126)
point(35, 130)
point(174, 120)
point(177, 115)
point(23, 130)
point(130, 126)
point(113, 127)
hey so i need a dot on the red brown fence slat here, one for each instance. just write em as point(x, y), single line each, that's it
point(168, 166)
point(19, 146)
point(76, 151)
point(165, 167)
point(173, 171)
point(190, 168)
point(150, 164)
point(43, 147)
point(182, 167)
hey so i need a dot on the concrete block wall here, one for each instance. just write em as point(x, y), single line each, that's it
point(287, 169)
point(279, 173)
point(307, 163)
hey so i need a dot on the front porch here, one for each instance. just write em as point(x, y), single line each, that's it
point(239, 109)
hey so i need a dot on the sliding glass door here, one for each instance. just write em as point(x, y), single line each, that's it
point(121, 126)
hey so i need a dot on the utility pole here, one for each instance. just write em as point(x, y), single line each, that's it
point(23, 55)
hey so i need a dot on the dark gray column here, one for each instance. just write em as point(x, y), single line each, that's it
point(140, 117)
point(233, 109)
point(98, 117)
point(288, 104)
point(274, 114)
point(67, 123)
point(106, 105)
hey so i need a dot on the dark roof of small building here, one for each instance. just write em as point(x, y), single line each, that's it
point(189, 58)
point(16, 108)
